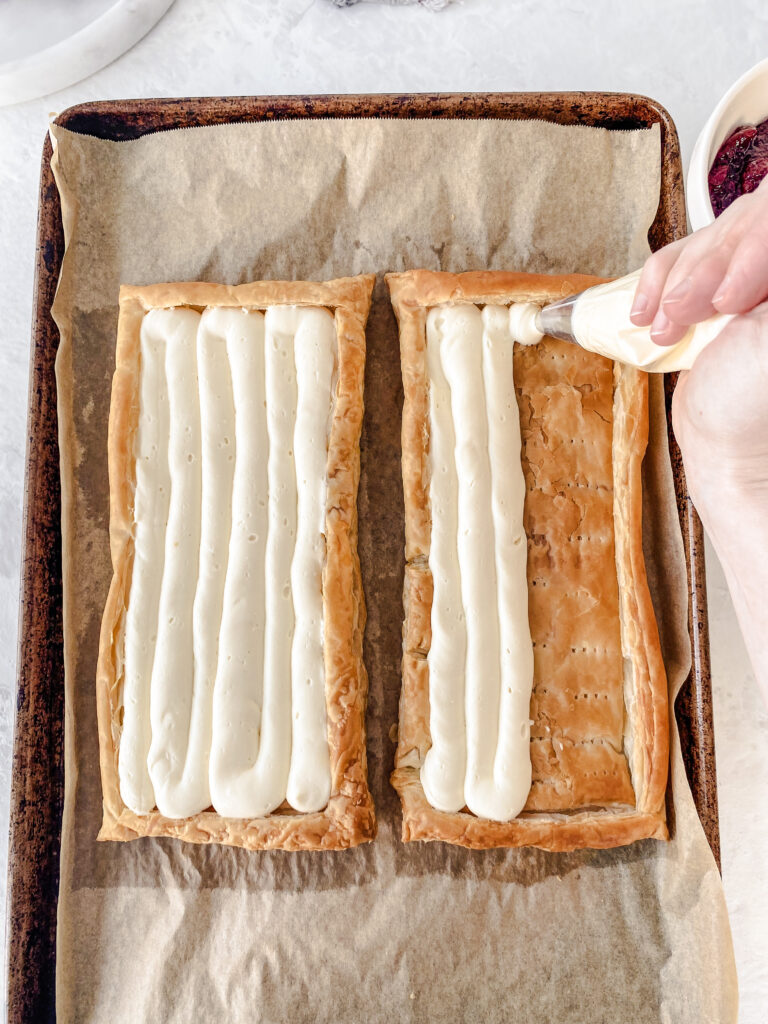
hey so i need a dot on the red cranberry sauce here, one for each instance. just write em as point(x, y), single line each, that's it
point(740, 165)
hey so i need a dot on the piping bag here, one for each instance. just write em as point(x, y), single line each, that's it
point(598, 320)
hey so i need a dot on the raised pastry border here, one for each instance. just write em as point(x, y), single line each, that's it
point(646, 698)
point(349, 817)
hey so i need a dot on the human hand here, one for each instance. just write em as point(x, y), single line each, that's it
point(720, 406)
point(720, 412)
point(721, 268)
point(720, 419)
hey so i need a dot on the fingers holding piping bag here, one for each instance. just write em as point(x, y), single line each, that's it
point(678, 282)
point(721, 268)
point(651, 284)
point(745, 284)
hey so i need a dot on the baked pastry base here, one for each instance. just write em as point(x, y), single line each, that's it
point(600, 766)
point(349, 817)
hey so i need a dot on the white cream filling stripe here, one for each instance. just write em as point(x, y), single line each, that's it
point(224, 679)
point(153, 489)
point(173, 703)
point(481, 656)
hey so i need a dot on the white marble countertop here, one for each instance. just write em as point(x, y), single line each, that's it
point(684, 54)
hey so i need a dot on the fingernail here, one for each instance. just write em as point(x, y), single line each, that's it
point(679, 291)
point(640, 304)
point(660, 324)
point(722, 291)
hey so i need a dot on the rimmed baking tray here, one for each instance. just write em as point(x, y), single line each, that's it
point(38, 756)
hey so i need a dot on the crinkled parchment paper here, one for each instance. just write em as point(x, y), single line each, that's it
point(159, 931)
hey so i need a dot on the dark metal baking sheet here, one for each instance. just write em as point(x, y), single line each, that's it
point(38, 754)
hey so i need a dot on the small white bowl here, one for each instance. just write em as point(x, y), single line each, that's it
point(70, 56)
point(746, 102)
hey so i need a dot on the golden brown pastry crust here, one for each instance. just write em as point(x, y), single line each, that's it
point(349, 817)
point(582, 793)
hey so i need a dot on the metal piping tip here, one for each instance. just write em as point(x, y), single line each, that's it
point(555, 320)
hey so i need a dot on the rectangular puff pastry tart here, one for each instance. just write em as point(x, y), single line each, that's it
point(231, 687)
point(534, 707)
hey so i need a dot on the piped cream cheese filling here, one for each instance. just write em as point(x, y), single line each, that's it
point(153, 489)
point(445, 764)
point(224, 687)
point(171, 694)
point(522, 323)
point(309, 778)
point(251, 752)
point(481, 656)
